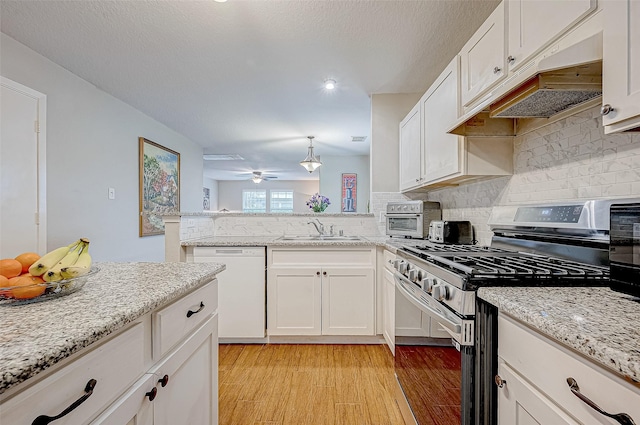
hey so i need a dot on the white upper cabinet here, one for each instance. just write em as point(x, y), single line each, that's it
point(533, 24)
point(621, 65)
point(440, 106)
point(410, 149)
point(484, 57)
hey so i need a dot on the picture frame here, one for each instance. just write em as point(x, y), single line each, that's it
point(159, 180)
point(349, 193)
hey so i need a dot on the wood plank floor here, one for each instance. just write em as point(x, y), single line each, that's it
point(283, 384)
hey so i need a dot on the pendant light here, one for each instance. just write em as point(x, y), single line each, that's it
point(311, 162)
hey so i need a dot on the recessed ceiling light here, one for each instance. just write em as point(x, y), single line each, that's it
point(329, 84)
point(358, 138)
point(220, 1)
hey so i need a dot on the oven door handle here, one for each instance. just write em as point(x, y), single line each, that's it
point(454, 328)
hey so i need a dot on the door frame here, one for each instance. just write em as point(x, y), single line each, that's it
point(41, 169)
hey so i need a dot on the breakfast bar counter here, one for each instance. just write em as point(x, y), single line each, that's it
point(37, 336)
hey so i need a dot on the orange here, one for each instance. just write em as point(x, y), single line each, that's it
point(4, 283)
point(10, 267)
point(27, 259)
point(25, 288)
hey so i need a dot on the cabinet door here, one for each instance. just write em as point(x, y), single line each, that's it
point(133, 408)
point(389, 309)
point(440, 106)
point(519, 403)
point(410, 149)
point(483, 57)
point(294, 301)
point(533, 24)
point(348, 301)
point(190, 396)
point(621, 65)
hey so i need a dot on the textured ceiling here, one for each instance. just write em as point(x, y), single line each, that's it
point(246, 77)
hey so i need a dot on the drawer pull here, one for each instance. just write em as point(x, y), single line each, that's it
point(499, 381)
point(152, 394)
point(191, 312)
point(88, 390)
point(621, 418)
point(164, 381)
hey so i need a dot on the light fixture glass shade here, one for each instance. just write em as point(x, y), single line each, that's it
point(311, 162)
point(256, 179)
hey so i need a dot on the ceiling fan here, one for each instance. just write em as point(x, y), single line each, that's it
point(257, 176)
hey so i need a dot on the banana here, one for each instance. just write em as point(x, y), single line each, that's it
point(54, 273)
point(50, 259)
point(80, 268)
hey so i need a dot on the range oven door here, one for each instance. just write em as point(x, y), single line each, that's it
point(409, 225)
point(430, 372)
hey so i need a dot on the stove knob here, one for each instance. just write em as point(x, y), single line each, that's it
point(412, 275)
point(441, 292)
point(396, 264)
point(403, 267)
point(420, 276)
point(428, 284)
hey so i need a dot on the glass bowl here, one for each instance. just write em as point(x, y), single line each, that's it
point(52, 289)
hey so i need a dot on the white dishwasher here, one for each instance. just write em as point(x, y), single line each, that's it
point(241, 289)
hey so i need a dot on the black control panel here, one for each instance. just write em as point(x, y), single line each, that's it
point(555, 214)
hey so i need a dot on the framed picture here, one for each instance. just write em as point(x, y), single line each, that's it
point(159, 185)
point(206, 201)
point(349, 192)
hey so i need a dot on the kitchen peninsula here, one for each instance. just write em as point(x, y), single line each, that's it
point(127, 328)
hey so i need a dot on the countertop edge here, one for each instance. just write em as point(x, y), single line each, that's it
point(596, 348)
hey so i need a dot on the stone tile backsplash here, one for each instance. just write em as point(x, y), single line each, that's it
point(571, 159)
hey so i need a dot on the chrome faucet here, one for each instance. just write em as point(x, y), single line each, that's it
point(319, 226)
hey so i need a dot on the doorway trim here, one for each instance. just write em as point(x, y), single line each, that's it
point(41, 136)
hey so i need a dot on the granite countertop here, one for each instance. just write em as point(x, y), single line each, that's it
point(599, 323)
point(277, 241)
point(36, 336)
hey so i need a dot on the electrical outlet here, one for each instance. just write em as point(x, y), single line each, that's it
point(112, 193)
point(191, 222)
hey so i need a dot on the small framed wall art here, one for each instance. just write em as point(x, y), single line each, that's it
point(159, 185)
point(349, 192)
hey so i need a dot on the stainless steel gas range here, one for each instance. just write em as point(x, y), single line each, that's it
point(541, 245)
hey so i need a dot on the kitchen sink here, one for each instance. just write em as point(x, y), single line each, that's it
point(319, 238)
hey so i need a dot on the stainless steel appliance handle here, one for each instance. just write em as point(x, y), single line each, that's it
point(446, 322)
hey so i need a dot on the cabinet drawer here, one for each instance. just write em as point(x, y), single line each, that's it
point(547, 365)
point(174, 322)
point(320, 257)
point(114, 365)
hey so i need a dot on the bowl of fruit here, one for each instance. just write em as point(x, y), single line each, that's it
point(29, 278)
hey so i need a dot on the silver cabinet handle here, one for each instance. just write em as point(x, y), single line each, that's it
point(499, 381)
point(497, 69)
point(621, 418)
point(606, 109)
point(511, 59)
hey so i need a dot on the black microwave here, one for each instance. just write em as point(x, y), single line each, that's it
point(624, 248)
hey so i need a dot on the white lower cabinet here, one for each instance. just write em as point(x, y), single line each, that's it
point(389, 309)
point(536, 372)
point(321, 292)
point(128, 379)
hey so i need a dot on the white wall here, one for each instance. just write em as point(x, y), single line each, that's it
point(387, 110)
point(212, 185)
point(331, 180)
point(92, 144)
point(230, 192)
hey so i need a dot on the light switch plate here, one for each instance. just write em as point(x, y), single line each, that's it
point(112, 193)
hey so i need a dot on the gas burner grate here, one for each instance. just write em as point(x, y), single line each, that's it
point(523, 266)
point(452, 248)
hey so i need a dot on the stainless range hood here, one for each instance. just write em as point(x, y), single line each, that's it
point(553, 85)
